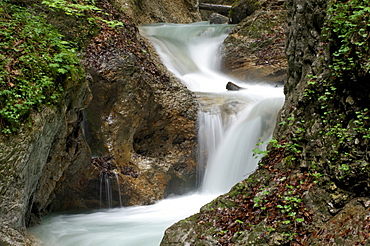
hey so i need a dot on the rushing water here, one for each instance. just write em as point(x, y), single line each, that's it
point(231, 123)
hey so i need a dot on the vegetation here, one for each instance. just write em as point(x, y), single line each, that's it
point(35, 65)
point(329, 148)
point(350, 22)
point(37, 61)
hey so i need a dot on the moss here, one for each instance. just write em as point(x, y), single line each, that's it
point(37, 65)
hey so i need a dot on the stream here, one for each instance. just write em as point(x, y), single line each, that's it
point(231, 124)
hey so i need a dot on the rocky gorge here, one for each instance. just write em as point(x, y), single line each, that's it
point(312, 186)
point(126, 118)
point(126, 106)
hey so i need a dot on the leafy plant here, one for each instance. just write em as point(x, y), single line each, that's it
point(81, 9)
point(35, 66)
point(350, 22)
point(70, 8)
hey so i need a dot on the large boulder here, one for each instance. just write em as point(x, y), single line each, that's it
point(141, 115)
point(254, 50)
point(241, 9)
point(175, 11)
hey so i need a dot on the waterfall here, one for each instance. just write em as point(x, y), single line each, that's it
point(106, 187)
point(231, 123)
point(233, 160)
point(210, 134)
point(119, 189)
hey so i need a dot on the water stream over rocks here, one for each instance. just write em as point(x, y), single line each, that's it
point(231, 123)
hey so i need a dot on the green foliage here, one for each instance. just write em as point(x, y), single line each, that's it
point(347, 30)
point(34, 66)
point(349, 22)
point(70, 8)
point(81, 9)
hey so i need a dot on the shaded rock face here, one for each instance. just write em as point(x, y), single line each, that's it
point(242, 9)
point(34, 161)
point(216, 18)
point(141, 115)
point(254, 50)
point(138, 113)
point(316, 173)
point(175, 11)
point(206, 14)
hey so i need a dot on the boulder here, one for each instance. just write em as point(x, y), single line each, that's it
point(161, 11)
point(242, 9)
point(230, 86)
point(254, 50)
point(216, 18)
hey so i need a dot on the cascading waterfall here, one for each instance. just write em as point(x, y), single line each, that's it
point(210, 134)
point(231, 123)
point(119, 189)
point(106, 186)
point(233, 160)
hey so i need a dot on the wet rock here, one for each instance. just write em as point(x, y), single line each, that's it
point(230, 86)
point(216, 18)
point(161, 11)
point(37, 159)
point(141, 115)
point(254, 51)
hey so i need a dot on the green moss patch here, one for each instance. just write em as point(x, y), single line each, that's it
point(35, 65)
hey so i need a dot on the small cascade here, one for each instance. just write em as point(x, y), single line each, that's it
point(231, 123)
point(119, 188)
point(105, 187)
point(189, 53)
point(108, 175)
point(233, 160)
point(210, 134)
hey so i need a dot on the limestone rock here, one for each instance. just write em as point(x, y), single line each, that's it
point(34, 161)
point(254, 51)
point(161, 11)
point(242, 9)
point(141, 115)
point(216, 18)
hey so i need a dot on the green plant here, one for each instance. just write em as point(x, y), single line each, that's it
point(81, 9)
point(69, 8)
point(349, 21)
point(258, 152)
point(35, 66)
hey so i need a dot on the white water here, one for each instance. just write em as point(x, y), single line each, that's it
point(130, 226)
point(231, 123)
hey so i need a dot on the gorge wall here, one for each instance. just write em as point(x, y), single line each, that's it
point(312, 188)
point(135, 119)
point(141, 115)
